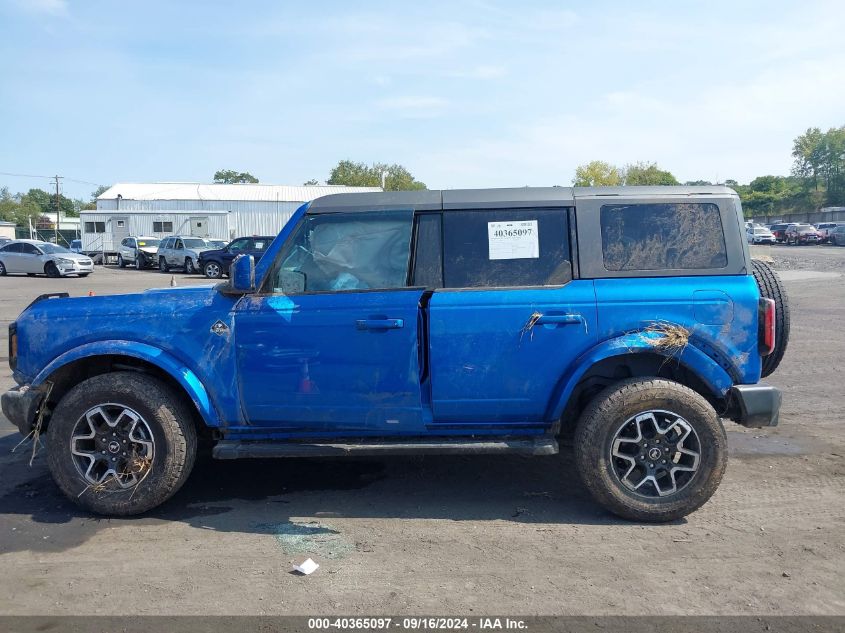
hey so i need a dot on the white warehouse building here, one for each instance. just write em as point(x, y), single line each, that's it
point(190, 208)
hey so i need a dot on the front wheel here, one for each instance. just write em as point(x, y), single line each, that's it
point(162, 265)
point(213, 270)
point(51, 271)
point(120, 443)
point(120, 262)
point(650, 449)
point(190, 269)
point(139, 262)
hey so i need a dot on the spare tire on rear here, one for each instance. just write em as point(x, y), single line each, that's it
point(771, 287)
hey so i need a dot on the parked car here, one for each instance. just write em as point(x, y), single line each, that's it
point(181, 252)
point(802, 234)
point(824, 229)
point(34, 257)
point(215, 263)
point(512, 317)
point(760, 235)
point(76, 246)
point(779, 230)
point(138, 251)
point(837, 235)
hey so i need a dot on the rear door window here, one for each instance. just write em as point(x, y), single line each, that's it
point(662, 236)
point(502, 248)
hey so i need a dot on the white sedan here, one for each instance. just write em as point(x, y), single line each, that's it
point(42, 258)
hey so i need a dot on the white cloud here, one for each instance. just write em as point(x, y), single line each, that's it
point(414, 107)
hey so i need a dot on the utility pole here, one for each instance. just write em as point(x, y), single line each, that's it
point(58, 211)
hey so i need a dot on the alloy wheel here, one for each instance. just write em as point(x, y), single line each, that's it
point(655, 453)
point(112, 442)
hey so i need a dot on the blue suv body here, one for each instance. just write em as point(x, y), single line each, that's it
point(470, 321)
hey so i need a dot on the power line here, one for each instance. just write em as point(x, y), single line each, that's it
point(82, 182)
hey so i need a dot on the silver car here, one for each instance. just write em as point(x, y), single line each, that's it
point(139, 251)
point(42, 258)
point(181, 252)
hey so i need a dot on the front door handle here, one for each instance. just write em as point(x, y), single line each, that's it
point(379, 324)
point(560, 319)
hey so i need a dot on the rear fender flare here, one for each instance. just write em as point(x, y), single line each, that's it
point(176, 369)
point(713, 375)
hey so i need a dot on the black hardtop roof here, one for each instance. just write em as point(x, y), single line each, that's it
point(433, 199)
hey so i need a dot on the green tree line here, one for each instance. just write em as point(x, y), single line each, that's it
point(21, 208)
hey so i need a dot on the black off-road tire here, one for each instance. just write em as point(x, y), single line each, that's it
point(173, 432)
point(771, 287)
point(608, 412)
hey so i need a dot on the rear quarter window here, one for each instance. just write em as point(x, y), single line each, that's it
point(662, 236)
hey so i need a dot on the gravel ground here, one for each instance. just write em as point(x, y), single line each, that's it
point(454, 535)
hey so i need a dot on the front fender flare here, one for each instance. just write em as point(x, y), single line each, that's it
point(175, 368)
point(713, 375)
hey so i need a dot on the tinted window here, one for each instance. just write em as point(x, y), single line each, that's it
point(662, 236)
point(428, 260)
point(53, 249)
point(193, 243)
point(345, 251)
point(506, 248)
point(239, 245)
point(12, 248)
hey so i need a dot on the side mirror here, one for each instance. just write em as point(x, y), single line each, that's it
point(242, 274)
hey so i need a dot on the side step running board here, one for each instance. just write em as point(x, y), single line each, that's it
point(234, 449)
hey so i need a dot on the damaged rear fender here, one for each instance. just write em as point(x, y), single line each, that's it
point(712, 375)
point(182, 374)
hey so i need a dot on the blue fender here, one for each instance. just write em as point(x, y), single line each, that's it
point(714, 376)
point(153, 355)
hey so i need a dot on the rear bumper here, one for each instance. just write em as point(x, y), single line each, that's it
point(755, 406)
point(20, 405)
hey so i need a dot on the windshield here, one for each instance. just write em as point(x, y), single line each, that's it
point(194, 243)
point(143, 243)
point(761, 230)
point(52, 249)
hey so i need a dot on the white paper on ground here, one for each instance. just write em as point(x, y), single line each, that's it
point(513, 240)
point(306, 567)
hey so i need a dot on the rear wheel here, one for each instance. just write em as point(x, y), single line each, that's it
point(650, 449)
point(121, 443)
point(771, 287)
point(51, 271)
point(2, 269)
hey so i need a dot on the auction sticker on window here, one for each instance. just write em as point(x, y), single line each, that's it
point(513, 240)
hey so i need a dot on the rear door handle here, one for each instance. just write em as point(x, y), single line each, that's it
point(560, 319)
point(379, 324)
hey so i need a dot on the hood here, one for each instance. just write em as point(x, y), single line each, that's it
point(149, 249)
point(166, 318)
point(77, 257)
point(212, 251)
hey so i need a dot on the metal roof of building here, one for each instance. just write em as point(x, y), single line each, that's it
point(198, 191)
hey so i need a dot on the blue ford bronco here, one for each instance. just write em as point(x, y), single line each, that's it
point(628, 321)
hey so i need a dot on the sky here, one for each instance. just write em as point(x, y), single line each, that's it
point(464, 94)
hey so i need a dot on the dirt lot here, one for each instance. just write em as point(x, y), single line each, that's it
point(454, 535)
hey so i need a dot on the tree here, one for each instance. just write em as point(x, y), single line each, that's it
point(598, 173)
point(311, 183)
point(819, 164)
point(18, 209)
point(92, 203)
point(645, 173)
point(353, 174)
point(230, 176)
point(697, 183)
